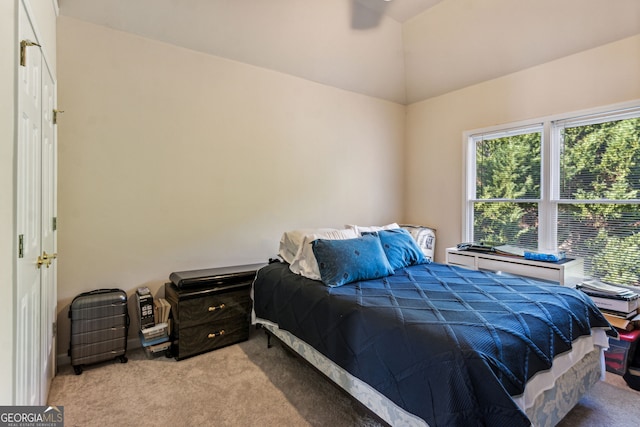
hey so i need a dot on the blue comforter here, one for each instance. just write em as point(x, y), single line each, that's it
point(447, 344)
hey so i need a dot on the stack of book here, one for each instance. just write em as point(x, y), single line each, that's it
point(154, 324)
point(162, 310)
point(155, 340)
point(619, 304)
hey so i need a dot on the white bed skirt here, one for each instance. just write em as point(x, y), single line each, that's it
point(548, 396)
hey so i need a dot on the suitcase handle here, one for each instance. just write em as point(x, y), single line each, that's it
point(95, 292)
point(102, 291)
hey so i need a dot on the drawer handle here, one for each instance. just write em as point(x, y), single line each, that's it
point(217, 307)
point(216, 334)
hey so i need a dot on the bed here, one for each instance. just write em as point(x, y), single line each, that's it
point(428, 344)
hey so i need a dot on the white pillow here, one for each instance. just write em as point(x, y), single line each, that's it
point(359, 229)
point(291, 240)
point(305, 262)
point(425, 237)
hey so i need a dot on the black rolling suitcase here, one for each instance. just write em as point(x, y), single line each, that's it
point(99, 327)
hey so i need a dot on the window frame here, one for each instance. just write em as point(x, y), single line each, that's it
point(473, 139)
point(551, 128)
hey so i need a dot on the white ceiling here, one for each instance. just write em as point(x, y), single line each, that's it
point(415, 50)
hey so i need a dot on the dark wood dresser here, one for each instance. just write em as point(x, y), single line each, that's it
point(210, 308)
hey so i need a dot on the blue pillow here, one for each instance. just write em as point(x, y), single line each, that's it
point(400, 248)
point(349, 260)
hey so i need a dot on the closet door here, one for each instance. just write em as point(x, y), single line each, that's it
point(36, 294)
point(29, 212)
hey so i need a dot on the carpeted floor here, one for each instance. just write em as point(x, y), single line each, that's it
point(249, 385)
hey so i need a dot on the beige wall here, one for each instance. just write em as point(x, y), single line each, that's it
point(173, 160)
point(434, 169)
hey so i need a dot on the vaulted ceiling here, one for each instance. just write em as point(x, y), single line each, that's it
point(403, 50)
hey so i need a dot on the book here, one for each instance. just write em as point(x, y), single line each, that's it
point(491, 248)
point(155, 348)
point(614, 304)
point(619, 301)
point(153, 335)
point(616, 322)
point(510, 250)
point(605, 289)
point(162, 308)
point(619, 314)
point(622, 297)
point(476, 247)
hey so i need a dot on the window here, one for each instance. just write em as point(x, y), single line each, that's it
point(507, 186)
point(570, 184)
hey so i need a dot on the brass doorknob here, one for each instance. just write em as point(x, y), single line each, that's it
point(46, 259)
point(43, 260)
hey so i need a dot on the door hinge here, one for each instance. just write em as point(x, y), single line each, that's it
point(55, 115)
point(54, 223)
point(23, 51)
point(54, 328)
point(21, 246)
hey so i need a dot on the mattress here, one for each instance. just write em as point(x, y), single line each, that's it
point(548, 400)
point(442, 343)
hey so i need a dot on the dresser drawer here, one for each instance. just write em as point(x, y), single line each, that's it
point(202, 338)
point(213, 308)
point(214, 314)
point(461, 260)
point(552, 274)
